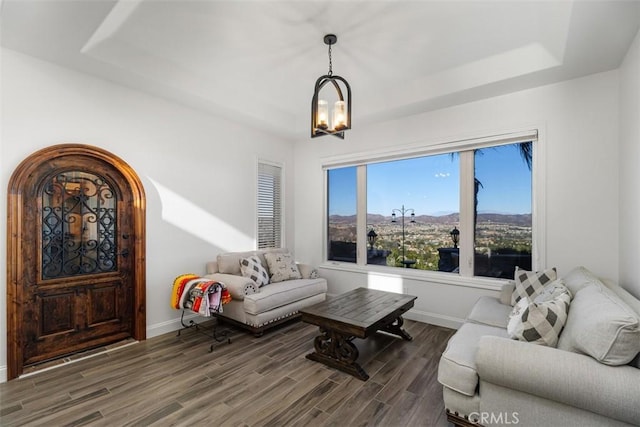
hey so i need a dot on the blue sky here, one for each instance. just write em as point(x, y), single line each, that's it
point(430, 185)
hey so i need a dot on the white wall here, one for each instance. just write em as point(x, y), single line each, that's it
point(199, 172)
point(629, 169)
point(578, 120)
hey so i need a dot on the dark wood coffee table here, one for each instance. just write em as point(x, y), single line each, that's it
point(355, 314)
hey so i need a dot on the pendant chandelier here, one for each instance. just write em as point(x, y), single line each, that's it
point(341, 114)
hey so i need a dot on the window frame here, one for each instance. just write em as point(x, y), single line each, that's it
point(465, 147)
point(278, 233)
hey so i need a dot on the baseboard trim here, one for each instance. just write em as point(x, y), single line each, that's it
point(168, 326)
point(434, 318)
point(3, 374)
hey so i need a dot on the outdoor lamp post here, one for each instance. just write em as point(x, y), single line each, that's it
point(403, 212)
point(371, 237)
point(455, 236)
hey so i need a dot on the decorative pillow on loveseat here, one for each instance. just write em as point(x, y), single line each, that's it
point(307, 271)
point(530, 283)
point(541, 320)
point(252, 268)
point(282, 267)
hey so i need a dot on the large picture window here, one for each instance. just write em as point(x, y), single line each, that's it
point(466, 212)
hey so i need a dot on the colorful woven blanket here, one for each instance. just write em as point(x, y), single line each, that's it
point(199, 294)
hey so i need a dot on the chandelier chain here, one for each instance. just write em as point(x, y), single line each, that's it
point(330, 62)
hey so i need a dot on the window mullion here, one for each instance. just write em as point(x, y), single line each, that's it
point(467, 228)
point(361, 221)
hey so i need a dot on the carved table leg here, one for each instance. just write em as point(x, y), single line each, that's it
point(396, 328)
point(338, 351)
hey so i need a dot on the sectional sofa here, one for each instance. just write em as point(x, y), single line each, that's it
point(591, 377)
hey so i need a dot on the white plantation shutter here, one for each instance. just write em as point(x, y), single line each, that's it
point(269, 205)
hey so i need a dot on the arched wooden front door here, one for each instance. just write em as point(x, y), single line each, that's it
point(75, 255)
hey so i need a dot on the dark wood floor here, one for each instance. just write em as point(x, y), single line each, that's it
point(266, 381)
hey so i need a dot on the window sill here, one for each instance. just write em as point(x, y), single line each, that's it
point(418, 275)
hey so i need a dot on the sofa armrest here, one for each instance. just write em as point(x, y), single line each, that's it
point(506, 292)
point(557, 375)
point(238, 286)
point(307, 271)
point(212, 267)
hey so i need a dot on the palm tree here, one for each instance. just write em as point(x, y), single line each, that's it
point(526, 152)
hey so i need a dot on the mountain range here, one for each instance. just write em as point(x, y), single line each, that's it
point(372, 219)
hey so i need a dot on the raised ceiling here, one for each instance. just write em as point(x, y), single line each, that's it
point(255, 62)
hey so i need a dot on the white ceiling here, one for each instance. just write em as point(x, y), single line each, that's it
point(256, 61)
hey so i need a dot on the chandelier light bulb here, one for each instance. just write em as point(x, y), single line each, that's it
point(323, 114)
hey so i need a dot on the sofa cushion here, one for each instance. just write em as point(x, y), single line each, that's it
point(530, 283)
point(624, 295)
point(229, 263)
point(541, 320)
point(283, 293)
point(252, 268)
point(579, 278)
point(490, 311)
point(601, 325)
point(457, 368)
point(282, 267)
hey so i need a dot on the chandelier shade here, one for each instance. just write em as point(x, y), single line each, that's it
point(337, 90)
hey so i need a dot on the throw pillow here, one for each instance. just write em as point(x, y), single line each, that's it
point(601, 325)
point(530, 283)
point(307, 272)
point(282, 267)
point(553, 290)
point(252, 268)
point(540, 321)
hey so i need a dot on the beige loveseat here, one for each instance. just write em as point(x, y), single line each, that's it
point(258, 307)
point(592, 378)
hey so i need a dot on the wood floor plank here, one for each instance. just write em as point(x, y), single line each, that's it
point(313, 417)
point(254, 382)
point(429, 408)
point(285, 400)
point(401, 413)
point(394, 388)
point(67, 408)
point(334, 400)
point(255, 404)
point(349, 410)
point(301, 405)
point(372, 414)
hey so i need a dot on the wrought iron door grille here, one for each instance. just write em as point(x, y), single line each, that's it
point(79, 225)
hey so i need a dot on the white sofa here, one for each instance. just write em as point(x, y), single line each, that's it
point(258, 308)
point(591, 379)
